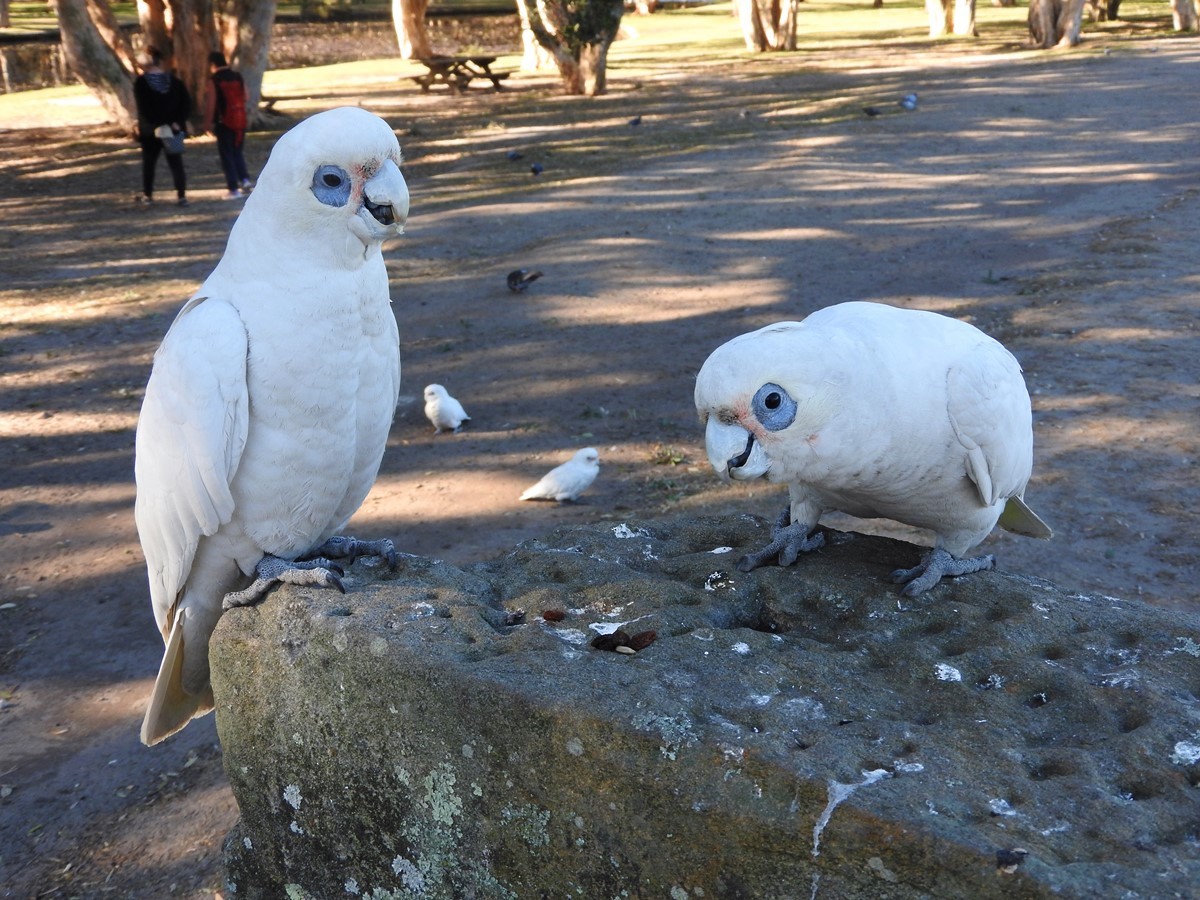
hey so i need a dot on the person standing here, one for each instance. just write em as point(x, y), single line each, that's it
point(225, 117)
point(163, 104)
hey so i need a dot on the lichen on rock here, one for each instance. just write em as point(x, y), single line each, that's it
point(789, 731)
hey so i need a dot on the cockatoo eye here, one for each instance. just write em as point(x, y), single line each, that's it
point(331, 185)
point(773, 407)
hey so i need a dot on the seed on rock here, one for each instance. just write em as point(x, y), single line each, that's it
point(553, 615)
point(642, 640)
point(612, 641)
point(624, 648)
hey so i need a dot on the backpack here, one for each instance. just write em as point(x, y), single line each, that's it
point(231, 100)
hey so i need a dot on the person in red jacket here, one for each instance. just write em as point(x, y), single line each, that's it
point(225, 116)
point(163, 107)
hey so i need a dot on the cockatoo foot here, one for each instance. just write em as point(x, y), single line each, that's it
point(936, 565)
point(348, 548)
point(787, 543)
point(272, 570)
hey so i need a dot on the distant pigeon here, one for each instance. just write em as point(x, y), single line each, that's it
point(635, 121)
point(536, 169)
point(519, 279)
point(909, 102)
point(568, 481)
point(513, 155)
point(443, 411)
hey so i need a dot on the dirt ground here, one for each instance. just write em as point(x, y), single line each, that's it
point(1051, 199)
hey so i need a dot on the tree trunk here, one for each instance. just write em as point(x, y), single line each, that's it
point(964, 18)
point(193, 37)
point(152, 17)
point(105, 65)
point(1055, 23)
point(941, 17)
point(533, 55)
point(408, 18)
point(186, 31)
point(577, 34)
point(768, 24)
point(1186, 15)
point(244, 32)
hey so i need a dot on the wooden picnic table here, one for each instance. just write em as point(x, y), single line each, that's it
point(457, 72)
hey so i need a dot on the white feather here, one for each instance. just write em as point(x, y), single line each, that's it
point(269, 404)
point(568, 481)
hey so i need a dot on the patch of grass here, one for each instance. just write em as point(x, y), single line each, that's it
point(663, 455)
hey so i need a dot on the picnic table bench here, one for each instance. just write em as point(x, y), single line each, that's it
point(457, 72)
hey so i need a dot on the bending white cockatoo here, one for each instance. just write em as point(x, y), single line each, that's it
point(568, 481)
point(443, 411)
point(877, 412)
point(271, 397)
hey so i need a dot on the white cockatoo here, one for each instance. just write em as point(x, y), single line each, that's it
point(442, 410)
point(877, 412)
point(269, 404)
point(568, 481)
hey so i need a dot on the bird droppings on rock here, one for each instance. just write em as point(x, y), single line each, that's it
point(1101, 776)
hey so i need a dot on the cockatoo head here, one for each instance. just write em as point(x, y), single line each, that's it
point(335, 172)
point(760, 408)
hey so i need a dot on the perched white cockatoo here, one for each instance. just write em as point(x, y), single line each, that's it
point(568, 481)
point(877, 412)
point(271, 397)
point(442, 410)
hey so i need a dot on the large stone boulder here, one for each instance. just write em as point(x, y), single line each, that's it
point(790, 733)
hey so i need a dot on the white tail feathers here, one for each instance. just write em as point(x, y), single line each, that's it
point(1020, 519)
point(171, 707)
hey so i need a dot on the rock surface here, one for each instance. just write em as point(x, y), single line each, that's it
point(799, 732)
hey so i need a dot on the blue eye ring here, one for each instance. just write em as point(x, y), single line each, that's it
point(331, 185)
point(773, 407)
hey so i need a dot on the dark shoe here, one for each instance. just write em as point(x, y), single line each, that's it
point(183, 201)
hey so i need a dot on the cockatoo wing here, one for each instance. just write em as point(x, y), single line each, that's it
point(190, 438)
point(990, 412)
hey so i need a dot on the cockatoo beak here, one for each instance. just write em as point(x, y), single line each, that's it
point(385, 205)
point(734, 452)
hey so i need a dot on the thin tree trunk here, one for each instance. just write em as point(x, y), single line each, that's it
point(152, 17)
point(940, 15)
point(1055, 23)
point(244, 31)
point(768, 24)
point(1186, 15)
point(408, 18)
point(533, 55)
point(964, 18)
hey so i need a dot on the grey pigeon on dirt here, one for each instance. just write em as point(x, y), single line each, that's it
point(520, 279)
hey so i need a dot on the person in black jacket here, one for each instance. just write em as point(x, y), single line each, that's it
point(162, 102)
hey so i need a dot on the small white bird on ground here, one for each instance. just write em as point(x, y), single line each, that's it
point(877, 412)
point(568, 481)
point(269, 404)
point(442, 410)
